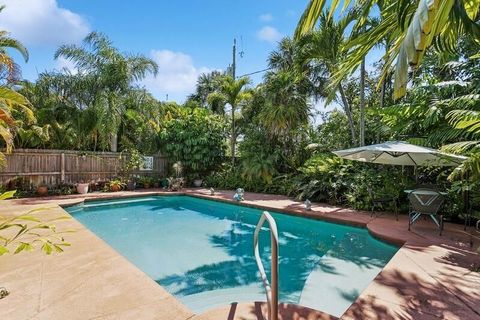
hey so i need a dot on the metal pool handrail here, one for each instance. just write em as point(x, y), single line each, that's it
point(271, 291)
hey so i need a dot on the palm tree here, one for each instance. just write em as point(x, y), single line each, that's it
point(9, 70)
point(325, 45)
point(233, 93)
point(10, 100)
point(286, 106)
point(207, 83)
point(110, 72)
point(412, 25)
point(290, 57)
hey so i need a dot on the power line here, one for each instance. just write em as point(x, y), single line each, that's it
point(255, 72)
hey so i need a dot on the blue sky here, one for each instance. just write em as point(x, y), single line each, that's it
point(184, 37)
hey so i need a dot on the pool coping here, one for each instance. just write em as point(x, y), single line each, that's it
point(406, 241)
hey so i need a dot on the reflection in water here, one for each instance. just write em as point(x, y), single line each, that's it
point(302, 246)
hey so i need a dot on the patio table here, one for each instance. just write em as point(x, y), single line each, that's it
point(426, 192)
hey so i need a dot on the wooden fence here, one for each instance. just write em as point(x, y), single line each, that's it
point(56, 166)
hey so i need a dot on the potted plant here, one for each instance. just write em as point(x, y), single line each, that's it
point(42, 189)
point(146, 181)
point(131, 183)
point(116, 185)
point(135, 159)
point(177, 182)
point(197, 181)
point(82, 187)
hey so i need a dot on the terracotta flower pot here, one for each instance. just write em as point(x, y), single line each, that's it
point(115, 188)
point(42, 191)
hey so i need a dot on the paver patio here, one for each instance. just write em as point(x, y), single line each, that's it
point(430, 277)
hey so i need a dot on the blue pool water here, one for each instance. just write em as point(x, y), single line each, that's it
point(201, 251)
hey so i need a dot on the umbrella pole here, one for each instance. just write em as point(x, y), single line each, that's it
point(466, 200)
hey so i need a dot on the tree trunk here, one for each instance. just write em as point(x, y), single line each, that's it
point(233, 138)
point(382, 93)
point(348, 112)
point(362, 103)
point(113, 142)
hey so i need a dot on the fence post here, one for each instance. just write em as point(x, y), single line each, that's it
point(62, 167)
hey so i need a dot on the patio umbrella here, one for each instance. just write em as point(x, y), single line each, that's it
point(400, 153)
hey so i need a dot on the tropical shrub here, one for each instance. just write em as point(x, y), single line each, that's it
point(196, 138)
point(370, 182)
point(328, 178)
point(228, 178)
point(323, 177)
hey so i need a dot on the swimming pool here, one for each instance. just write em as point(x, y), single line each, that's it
point(201, 251)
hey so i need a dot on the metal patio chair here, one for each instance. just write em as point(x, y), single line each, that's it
point(426, 202)
point(382, 201)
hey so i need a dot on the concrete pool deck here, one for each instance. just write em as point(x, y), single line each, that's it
point(430, 277)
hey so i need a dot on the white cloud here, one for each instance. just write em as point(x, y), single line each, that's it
point(42, 22)
point(269, 34)
point(177, 75)
point(266, 17)
point(64, 64)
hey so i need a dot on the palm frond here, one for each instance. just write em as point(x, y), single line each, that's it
point(460, 147)
point(309, 17)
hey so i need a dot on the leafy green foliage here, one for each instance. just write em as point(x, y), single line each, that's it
point(327, 178)
point(135, 160)
point(227, 178)
point(96, 107)
point(26, 231)
point(232, 92)
point(196, 138)
point(147, 181)
point(409, 27)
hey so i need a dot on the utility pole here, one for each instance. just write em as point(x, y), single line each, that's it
point(233, 137)
point(234, 57)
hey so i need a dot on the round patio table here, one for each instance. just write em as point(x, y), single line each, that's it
point(426, 192)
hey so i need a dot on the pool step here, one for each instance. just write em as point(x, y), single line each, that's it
point(258, 311)
point(208, 300)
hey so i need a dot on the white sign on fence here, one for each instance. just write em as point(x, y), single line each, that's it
point(147, 164)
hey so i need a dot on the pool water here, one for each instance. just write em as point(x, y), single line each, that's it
point(201, 251)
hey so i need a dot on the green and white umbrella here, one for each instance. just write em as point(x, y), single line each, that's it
point(400, 153)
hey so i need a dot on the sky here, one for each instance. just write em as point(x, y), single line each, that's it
point(185, 38)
